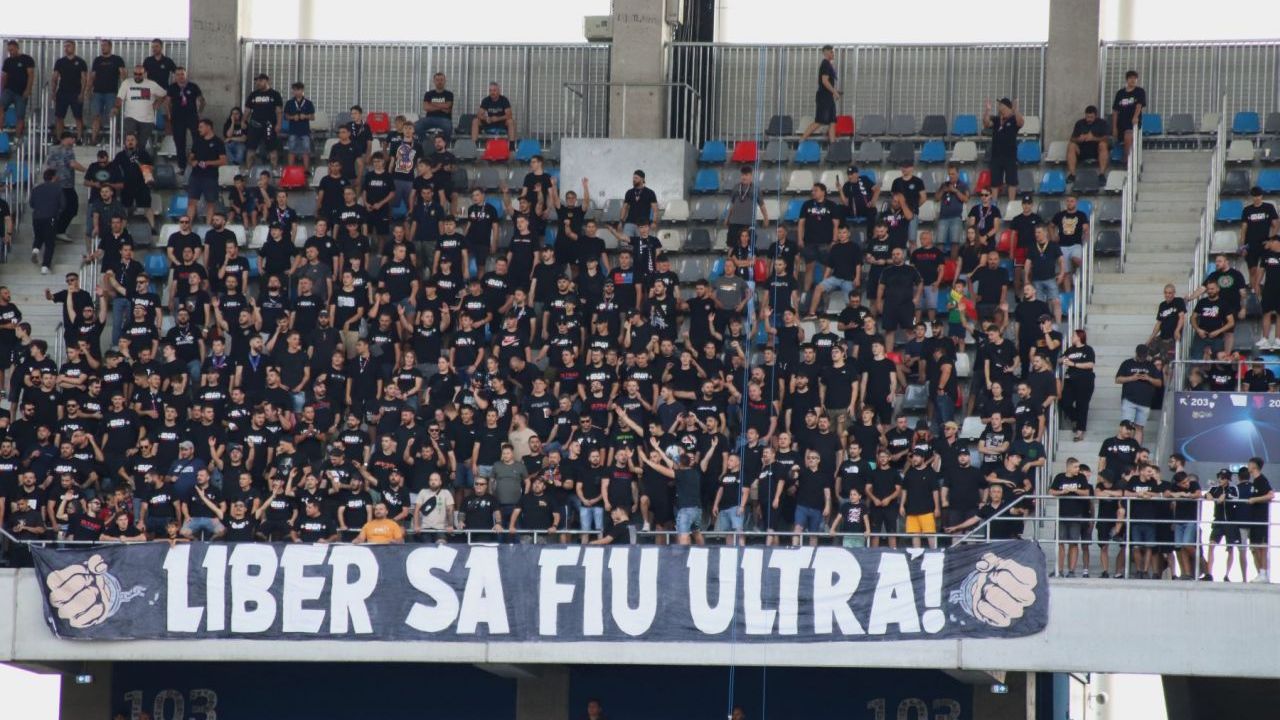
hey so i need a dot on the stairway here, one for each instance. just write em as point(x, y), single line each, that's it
point(1171, 196)
point(23, 277)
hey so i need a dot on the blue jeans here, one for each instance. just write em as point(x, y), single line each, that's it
point(950, 233)
point(101, 104)
point(19, 103)
point(688, 520)
point(235, 153)
point(120, 310)
point(944, 410)
point(591, 518)
point(464, 477)
point(444, 125)
point(809, 519)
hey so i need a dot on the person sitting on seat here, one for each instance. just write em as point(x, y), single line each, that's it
point(495, 114)
point(1089, 140)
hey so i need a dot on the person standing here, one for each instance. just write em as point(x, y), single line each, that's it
point(299, 111)
point(70, 84)
point(824, 112)
point(19, 73)
point(184, 103)
point(159, 67)
point(1141, 380)
point(105, 76)
point(743, 203)
point(1004, 126)
point(1078, 382)
point(1259, 515)
point(266, 113)
point(46, 201)
point(207, 155)
point(1126, 111)
point(639, 206)
point(62, 160)
point(138, 99)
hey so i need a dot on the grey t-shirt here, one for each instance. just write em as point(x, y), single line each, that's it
point(730, 290)
point(60, 159)
point(742, 205)
point(508, 482)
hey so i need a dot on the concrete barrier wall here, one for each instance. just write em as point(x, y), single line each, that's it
point(608, 164)
point(1094, 626)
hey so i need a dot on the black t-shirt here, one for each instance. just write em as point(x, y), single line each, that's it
point(1167, 315)
point(928, 261)
point(1143, 509)
point(1257, 222)
point(1070, 227)
point(838, 383)
point(639, 202)
point(964, 488)
point(1261, 486)
point(313, 529)
point(106, 73)
point(438, 96)
point(70, 71)
point(810, 486)
point(1073, 506)
point(1098, 128)
point(1211, 314)
point(160, 69)
point(819, 221)
point(1125, 104)
point(1119, 454)
point(495, 108)
point(15, 72)
point(1081, 354)
point(920, 484)
point(207, 151)
point(1004, 137)
point(1139, 392)
point(910, 190)
point(262, 105)
point(1231, 282)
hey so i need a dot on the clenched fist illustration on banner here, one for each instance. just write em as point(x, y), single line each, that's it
point(998, 591)
point(85, 594)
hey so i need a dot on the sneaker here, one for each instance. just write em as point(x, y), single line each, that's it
point(1053, 573)
point(1260, 577)
point(1104, 574)
point(1084, 573)
point(1119, 575)
point(35, 255)
point(644, 528)
point(1263, 344)
point(1102, 179)
point(1071, 178)
point(1206, 577)
point(809, 317)
point(1069, 574)
point(1079, 436)
point(44, 270)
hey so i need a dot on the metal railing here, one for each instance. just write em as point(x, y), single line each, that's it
point(1129, 194)
point(682, 116)
point(391, 77)
point(1191, 77)
point(1043, 524)
point(736, 80)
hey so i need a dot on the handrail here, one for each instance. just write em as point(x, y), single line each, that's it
point(692, 115)
point(1129, 194)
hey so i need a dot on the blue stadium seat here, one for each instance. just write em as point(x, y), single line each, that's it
point(1229, 211)
point(160, 119)
point(1084, 206)
point(11, 117)
point(933, 153)
point(399, 211)
point(808, 153)
point(157, 265)
point(1067, 297)
point(1269, 181)
point(1152, 124)
point(1117, 153)
point(1029, 152)
point(714, 151)
point(254, 270)
point(1246, 122)
point(706, 181)
point(793, 210)
point(497, 207)
point(177, 206)
point(869, 174)
point(527, 148)
point(717, 269)
point(964, 125)
point(4, 143)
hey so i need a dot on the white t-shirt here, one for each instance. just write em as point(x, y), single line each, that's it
point(139, 99)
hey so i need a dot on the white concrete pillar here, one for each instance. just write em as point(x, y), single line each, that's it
point(1071, 66)
point(214, 55)
point(640, 32)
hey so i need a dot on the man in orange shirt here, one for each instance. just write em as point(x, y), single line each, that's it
point(380, 530)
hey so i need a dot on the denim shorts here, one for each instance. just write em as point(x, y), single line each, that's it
point(729, 519)
point(203, 524)
point(101, 104)
point(688, 519)
point(809, 519)
point(1137, 414)
point(832, 283)
point(1184, 534)
point(1072, 252)
point(298, 144)
point(1046, 290)
point(929, 298)
point(591, 518)
point(19, 103)
point(1142, 533)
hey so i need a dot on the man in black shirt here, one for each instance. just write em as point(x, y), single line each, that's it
point(70, 82)
point(639, 206)
point(184, 103)
point(1118, 453)
point(19, 72)
point(827, 98)
point(207, 154)
point(1004, 126)
point(265, 108)
point(1259, 511)
point(911, 189)
point(1258, 222)
point(1126, 110)
point(437, 110)
point(921, 506)
point(1141, 380)
point(1074, 516)
point(1089, 141)
point(1213, 322)
point(819, 218)
point(898, 295)
point(495, 115)
point(1071, 230)
point(105, 75)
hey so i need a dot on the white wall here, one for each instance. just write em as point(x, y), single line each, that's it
point(28, 695)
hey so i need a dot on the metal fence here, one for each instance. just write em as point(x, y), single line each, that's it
point(742, 86)
point(391, 78)
point(1182, 77)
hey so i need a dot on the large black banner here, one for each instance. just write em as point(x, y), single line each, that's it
point(542, 593)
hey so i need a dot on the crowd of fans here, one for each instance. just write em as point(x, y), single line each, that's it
point(388, 380)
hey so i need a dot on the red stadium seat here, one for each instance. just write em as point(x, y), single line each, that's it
point(844, 125)
point(984, 181)
point(1019, 255)
point(949, 269)
point(379, 123)
point(293, 177)
point(745, 152)
point(761, 271)
point(1005, 243)
point(497, 151)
